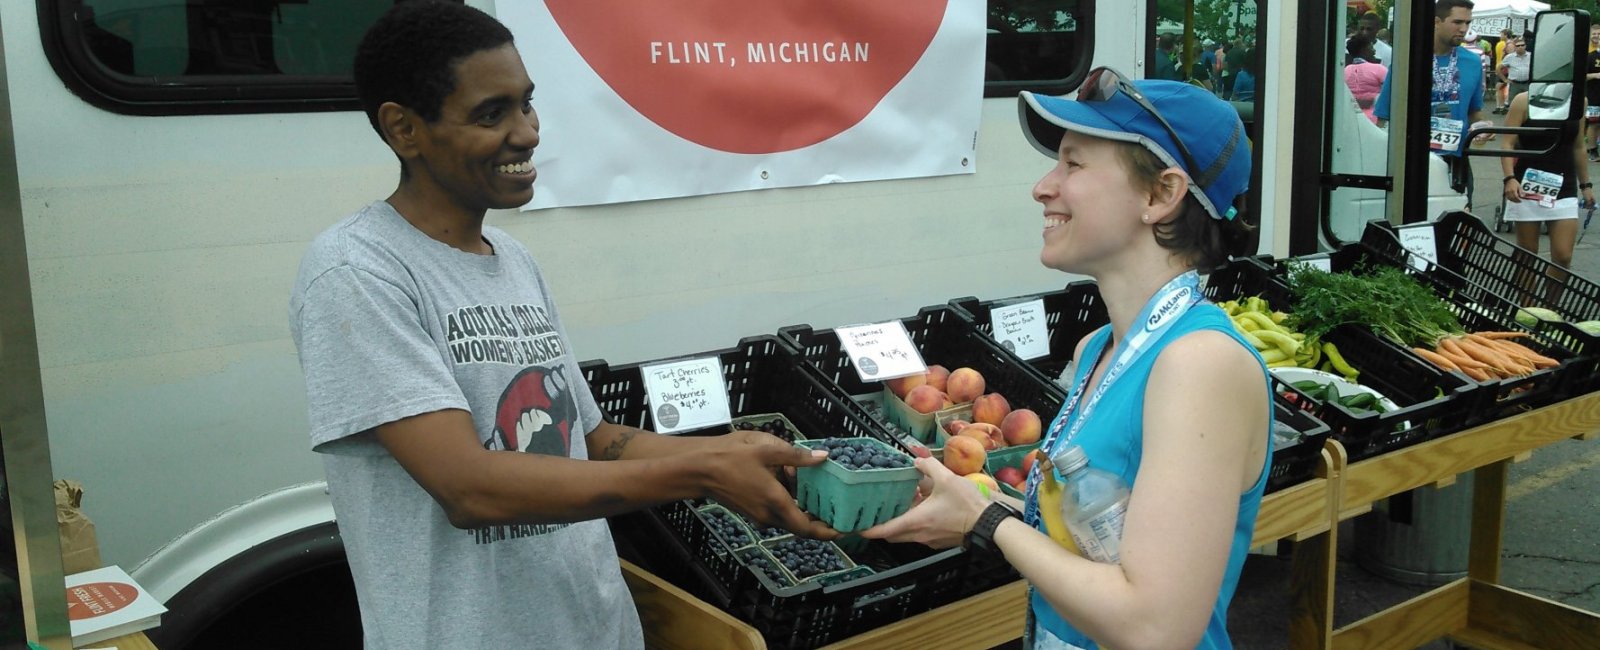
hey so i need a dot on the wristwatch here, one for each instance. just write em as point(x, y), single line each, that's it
point(1585, 186)
point(981, 537)
point(1508, 178)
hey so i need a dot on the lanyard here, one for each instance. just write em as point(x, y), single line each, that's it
point(1451, 73)
point(1159, 314)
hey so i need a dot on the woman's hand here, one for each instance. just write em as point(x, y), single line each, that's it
point(1513, 190)
point(1588, 196)
point(949, 507)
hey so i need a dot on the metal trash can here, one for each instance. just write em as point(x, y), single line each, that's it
point(1418, 537)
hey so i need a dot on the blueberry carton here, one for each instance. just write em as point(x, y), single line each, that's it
point(865, 482)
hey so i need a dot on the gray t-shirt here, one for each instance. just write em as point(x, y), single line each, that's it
point(391, 323)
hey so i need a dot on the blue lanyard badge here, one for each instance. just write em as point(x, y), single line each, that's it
point(1164, 308)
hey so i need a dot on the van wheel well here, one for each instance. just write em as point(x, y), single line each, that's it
point(293, 591)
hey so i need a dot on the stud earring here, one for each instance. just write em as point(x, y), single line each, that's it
point(1145, 218)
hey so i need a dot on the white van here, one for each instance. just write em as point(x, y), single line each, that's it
point(175, 157)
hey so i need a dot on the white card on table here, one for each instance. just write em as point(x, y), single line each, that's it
point(687, 394)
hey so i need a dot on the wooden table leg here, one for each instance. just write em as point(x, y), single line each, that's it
point(1488, 521)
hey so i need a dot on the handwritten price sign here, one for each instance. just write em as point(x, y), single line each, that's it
point(1418, 240)
point(686, 395)
point(881, 350)
point(1020, 328)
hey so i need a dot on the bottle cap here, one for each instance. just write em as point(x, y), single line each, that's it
point(1069, 459)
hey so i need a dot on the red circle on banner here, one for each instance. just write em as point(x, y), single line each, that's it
point(98, 599)
point(786, 75)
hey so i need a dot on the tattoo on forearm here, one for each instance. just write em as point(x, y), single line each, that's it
point(613, 451)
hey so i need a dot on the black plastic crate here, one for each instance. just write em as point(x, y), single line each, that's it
point(764, 375)
point(1479, 309)
point(942, 337)
point(907, 579)
point(1070, 314)
point(1471, 252)
point(1432, 402)
point(1296, 463)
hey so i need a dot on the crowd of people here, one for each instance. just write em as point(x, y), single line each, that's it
point(1227, 68)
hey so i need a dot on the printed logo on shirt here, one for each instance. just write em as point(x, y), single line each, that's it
point(535, 415)
point(517, 335)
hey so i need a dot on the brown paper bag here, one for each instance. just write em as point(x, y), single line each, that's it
point(80, 550)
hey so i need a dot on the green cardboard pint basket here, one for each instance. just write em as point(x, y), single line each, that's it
point(855, 500)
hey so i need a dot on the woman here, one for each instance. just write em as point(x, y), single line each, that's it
point(1168, 396)
point(1544, 189)
point(1364, 77)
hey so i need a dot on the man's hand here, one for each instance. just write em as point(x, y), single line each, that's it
point(744, 466)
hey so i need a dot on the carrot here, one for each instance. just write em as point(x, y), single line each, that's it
point(1462, 361)
point(1502, 364)
point(1476, 374)
point(1534, 358)
point(1502, 335)
point(1517, 359)
point(1436, 359)
point(1458, 346)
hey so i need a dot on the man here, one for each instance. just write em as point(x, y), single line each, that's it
point(1591, 87)
point(1456, 95)
point(445, 400)
point(1165, 65)
point(1499, 58)
point(1514, 69)
point(1368, 26)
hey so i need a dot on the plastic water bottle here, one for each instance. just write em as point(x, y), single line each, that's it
point(1094, 505)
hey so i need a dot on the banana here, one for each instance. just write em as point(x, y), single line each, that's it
point(1050, 496)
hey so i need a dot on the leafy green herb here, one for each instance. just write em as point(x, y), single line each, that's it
point(1386, 300)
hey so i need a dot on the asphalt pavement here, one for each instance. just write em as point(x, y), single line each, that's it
point(1551, 540)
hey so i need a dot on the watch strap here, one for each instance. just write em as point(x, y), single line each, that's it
point(981, 537)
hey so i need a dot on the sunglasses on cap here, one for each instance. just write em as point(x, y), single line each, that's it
point(1105, 83)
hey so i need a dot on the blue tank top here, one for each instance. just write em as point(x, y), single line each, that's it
point(1113, 439)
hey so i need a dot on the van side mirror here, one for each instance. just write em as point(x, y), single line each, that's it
point(1560, 44)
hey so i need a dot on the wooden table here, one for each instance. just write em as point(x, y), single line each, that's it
point(674, 619)
point(1476, 610)
point(135, 641)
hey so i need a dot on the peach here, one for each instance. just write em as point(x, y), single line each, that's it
point(954, 427)
point(984, 479)
point(964, 385)
point(986, 433)
point(1030, 459)
point(925, 399)
point(1021, 427)
point(901, 386)
point(990, 409)
point(937, 376)
point(1011, 476)
point(964, 455)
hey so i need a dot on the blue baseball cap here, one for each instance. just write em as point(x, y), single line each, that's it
point(1210, 128)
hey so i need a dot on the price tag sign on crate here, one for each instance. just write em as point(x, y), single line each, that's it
point(1321, 263)
point(1020, 328)
point(1418, 240)
point(686, 395)
point(881, 351)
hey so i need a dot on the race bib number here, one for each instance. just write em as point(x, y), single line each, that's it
point(1591, 112)
point(1541, 186)
point(1445, 134)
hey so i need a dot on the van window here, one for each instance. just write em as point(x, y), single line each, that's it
point(170, 57)
point(208, 56)
point(1038, 45)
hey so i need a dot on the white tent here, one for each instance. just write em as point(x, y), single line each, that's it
point(1491, 16)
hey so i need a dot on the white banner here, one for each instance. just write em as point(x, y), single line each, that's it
point(647, 99)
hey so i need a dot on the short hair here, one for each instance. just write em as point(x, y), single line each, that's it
point(1442, 8)
point(409, 55)
point(1371, 16)
point(1193, 235)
